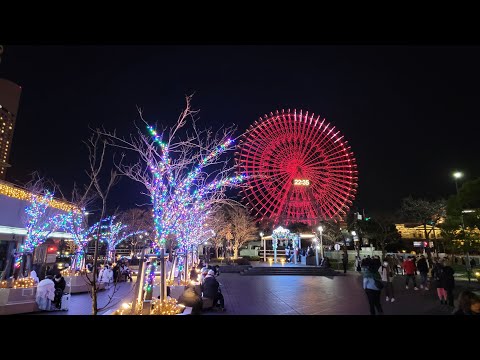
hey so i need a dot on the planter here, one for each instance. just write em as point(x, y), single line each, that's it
point(79, 284)
point(18, 301)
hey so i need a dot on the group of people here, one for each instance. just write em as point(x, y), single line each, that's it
point(378, 275)
point(109, 274)
point(210, 289)
point(50, 291)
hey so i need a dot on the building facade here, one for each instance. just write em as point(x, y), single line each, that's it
point(13, 201)
point(9, 101)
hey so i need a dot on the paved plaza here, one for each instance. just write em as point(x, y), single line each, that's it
point(290, 295)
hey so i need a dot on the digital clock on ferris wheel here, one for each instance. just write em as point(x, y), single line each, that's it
point(301, 182)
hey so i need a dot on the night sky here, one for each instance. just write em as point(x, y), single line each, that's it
point(409, 112)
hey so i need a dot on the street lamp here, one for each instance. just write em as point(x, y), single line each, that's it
point(264, 247)
point(356, 241)
point(457, 175)
point(320, 230)
point(316, 251)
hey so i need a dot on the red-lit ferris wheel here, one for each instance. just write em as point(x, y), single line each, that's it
point(299, 168)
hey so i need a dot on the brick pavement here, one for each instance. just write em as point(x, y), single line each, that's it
point(316, 295)
point(291, 295)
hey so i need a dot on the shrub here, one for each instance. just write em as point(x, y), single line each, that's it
point(252, 258)
point(242, 261)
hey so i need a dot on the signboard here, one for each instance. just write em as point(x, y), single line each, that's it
point(51, 258)
point(337, 247)
point(301, 182)
point(417, 244)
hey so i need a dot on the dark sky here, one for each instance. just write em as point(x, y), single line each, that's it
point(409, 112)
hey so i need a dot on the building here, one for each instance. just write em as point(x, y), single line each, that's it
point(9, 101)
point(415, 234)
point(13, 201)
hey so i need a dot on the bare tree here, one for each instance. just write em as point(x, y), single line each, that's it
point(242, 227)
point(382, 228)
point(424, 212)
point(96, 149)
point(221, 226)
point(172, 165)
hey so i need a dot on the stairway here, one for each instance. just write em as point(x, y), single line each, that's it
point(290, 270)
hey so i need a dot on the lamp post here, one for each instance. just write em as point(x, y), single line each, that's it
point(264, 247)
point(356, 241)
point(316, 251)
point(457, 175)
point(320, 230)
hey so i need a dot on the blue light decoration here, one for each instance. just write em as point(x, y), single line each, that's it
point(112, 233)
point(39, 226)
point(178, 200)
point(75, 223)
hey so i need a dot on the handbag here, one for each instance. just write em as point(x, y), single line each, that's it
point(379, 284)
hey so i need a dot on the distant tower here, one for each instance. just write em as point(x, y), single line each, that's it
point(9, 100)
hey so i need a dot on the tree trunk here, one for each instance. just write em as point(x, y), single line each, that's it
point(235, 252)
point(427, 249)
point(163, 279)
point(216, 251)
point(94, 280)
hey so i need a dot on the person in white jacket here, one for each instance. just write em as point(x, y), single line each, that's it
point(106, 276)
point(45, 293)
point(33, 275)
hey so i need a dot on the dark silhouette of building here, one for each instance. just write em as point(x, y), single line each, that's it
point(9, 100)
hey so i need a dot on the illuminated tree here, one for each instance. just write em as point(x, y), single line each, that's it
point(113, 233)
point(179, 171)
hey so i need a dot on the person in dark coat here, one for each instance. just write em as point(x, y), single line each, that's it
point(473, 263)
point(211, 290)
point(437, 271)
point(422, 268)
point(191, 298)
point(468, 304)
point(60, 285)
point(345, 262)
point(448, 282)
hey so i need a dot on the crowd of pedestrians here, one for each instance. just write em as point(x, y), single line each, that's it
point(378, 276)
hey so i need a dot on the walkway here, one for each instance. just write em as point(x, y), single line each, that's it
point(290, 295)
point(315, 295)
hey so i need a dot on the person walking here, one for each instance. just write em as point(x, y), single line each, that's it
point(371, 280)
point(437, 271)
point(358, 262)
point(345, 262)
point(410, 269)
point(422, 267)
point(387, 275)
point(448, 282)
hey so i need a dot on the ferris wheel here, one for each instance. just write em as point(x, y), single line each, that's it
point(299, 168)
